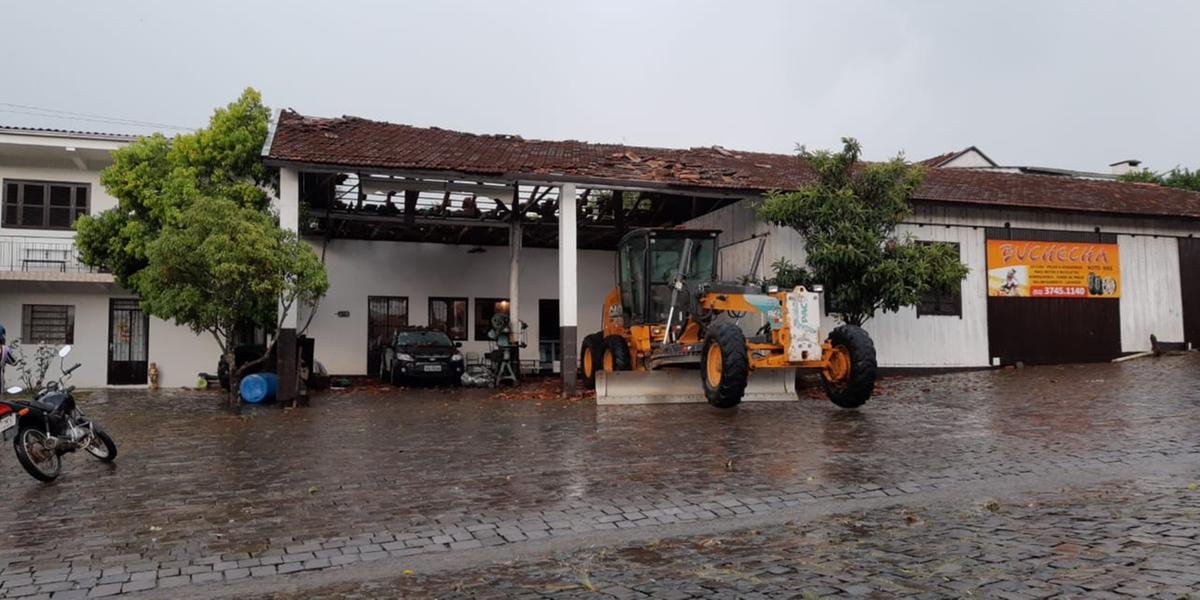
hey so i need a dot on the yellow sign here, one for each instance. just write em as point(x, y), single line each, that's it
point(1053, 269)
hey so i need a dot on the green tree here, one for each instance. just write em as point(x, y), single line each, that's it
point(848, 218)
point(1179, 177)
point(193, 234)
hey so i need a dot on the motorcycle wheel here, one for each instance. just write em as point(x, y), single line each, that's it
point(102, 447)
point(39, 461)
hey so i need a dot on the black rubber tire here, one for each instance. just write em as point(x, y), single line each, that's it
point(28, 464)
point(616, 347)
point(735, 365)
point(395, 378)
point(858, 387)
point(109, 445)
point(595, 344)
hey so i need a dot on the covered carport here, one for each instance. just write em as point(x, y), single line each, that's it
point(355, 179)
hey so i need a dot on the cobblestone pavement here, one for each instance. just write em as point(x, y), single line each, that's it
point(1132, 538)
point(202, 496)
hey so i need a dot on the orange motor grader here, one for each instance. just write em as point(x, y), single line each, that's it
point(669, 311)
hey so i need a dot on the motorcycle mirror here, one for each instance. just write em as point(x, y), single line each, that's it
point(64, 351)
point(15, 389)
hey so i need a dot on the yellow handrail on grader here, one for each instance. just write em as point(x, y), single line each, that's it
point(670, 311)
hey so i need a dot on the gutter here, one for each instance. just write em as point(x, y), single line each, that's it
point(272, 125)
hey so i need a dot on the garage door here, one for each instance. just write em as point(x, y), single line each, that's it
point(1189, 278)
point(1056, 327)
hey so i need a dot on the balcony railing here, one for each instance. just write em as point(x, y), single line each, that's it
point(41, 255)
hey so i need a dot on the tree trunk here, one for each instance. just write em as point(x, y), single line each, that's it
point(234, 378)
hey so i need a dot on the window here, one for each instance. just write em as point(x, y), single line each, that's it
point(935, 303)
point(47, 324)
point(449, 315)
point(44, 204)
point(485, 309)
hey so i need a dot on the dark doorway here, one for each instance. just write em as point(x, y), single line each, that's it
point(128, 342)
point(548, 350)
point(385, 314)
point(1053, 330)
point(1189, 279)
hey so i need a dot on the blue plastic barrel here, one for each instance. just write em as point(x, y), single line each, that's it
point(259, 387)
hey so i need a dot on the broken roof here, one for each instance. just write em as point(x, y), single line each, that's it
point(354, 143)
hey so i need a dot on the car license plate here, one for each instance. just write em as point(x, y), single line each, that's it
point(432, 368)
point(7, 423)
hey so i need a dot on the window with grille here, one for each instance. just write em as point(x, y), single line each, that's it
point(44, 204)
point(938, 303)
point(449, 315)
point(47, 324)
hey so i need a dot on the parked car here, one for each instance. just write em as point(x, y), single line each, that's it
point(419, 353)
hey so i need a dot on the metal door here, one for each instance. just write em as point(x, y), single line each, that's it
point(385, 314)
point(128, 342)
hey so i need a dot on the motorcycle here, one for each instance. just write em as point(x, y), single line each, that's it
point(52, 425)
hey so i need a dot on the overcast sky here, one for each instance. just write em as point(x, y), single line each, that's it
point(1076, 84)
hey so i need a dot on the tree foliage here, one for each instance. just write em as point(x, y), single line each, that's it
point(1179, 177)
point(193, 234)
point(155, 179)
point(848, 219)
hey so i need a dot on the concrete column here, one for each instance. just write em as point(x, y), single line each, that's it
point(568, 286)
point(515, 238)
point(285, 346)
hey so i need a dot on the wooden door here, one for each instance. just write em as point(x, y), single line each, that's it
point(1189, 279)
point(1053, 330)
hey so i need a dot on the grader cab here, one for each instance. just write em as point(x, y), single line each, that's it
point(669, 311)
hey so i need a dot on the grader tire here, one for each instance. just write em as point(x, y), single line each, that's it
point(857, 386)
point(724, 365)
point(591, 352)
point(616, 354)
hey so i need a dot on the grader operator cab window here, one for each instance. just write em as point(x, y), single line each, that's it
point(648, 260)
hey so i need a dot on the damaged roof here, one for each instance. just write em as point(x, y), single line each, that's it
point(356, 143)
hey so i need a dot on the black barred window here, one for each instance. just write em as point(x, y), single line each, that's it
point(47, 324)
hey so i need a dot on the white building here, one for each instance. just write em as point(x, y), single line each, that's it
point(47, 179)
point(354, 174)
point(416, 227)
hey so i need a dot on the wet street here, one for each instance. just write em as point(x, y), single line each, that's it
point(1075, 480)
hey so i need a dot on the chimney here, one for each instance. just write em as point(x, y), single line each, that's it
point(1125, 166)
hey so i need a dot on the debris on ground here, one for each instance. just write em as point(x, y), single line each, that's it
point(477, 376)
point(543, 389)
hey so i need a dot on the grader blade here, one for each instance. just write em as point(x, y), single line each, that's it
point(674, 386)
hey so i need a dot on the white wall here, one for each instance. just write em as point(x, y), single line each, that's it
point(358, 269)
point(904, 340)
point(180, 354)
point(971, 158)
point(1151, 294)
point(91, 330)
point(1150, 303)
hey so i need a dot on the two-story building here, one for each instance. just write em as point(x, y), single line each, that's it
point(49, 178)
point(430, 227)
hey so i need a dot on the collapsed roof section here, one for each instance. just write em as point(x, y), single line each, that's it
point(356, 144)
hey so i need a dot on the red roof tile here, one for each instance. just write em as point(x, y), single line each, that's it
point(353, 142)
